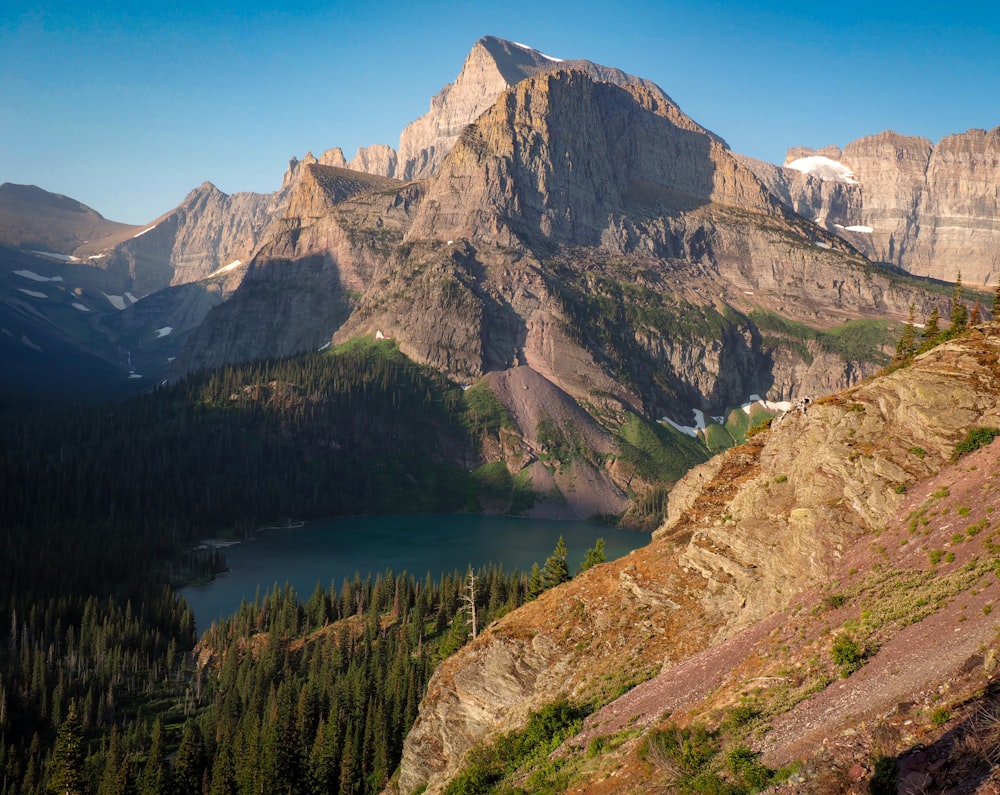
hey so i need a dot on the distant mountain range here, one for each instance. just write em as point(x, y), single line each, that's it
point(556, 215)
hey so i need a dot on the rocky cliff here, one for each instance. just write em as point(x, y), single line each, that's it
point(749, 534)
point(208, 231)
point(929, 209)
point(492, 66)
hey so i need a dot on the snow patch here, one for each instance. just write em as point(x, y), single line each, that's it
point(97, 256)
point(865, 229)
point(821, 244)
point(690, 430)
point(116, 301)
point(32, 293)
point(53, 255)
point(770, 405)
point(134, 375)
point(131, 297)
point(81, 307)
point(323, 347)
point(36, 278)
point(162, 332)
point(140, 234)
point(546, 57)
point(823, 168)
point(225, 268)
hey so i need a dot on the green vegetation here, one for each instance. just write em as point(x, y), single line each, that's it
point(297, 696)
point(491, 764)
point(694, 759)
point(848, 655)
point(228, 451)
point(974, 439)
point(658, 453)
point(856, 340)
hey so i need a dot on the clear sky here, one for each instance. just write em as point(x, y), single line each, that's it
point(127, 106)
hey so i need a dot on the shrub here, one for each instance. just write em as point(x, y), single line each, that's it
point(848, 654)
point(681, 751)
point(974, 439)
point(883, 781)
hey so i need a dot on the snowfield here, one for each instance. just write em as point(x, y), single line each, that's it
point(823, 168)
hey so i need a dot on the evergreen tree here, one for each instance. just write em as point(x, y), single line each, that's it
point(535, 585)
point(932, 328)
point(595, 554)
point(556, 570)
point(907, 344)
point(959, 312)
point(66, 768)
point(189, 763)
point(114, 781)
point(155, 777)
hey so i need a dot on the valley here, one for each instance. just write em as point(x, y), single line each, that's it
point(564, 305)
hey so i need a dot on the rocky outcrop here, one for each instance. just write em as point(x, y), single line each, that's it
point(747, 532)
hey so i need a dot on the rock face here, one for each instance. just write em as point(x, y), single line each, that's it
point(747, 533)
point(929, 209)
point(208, 231)
point(566, 157)
point(493, 66)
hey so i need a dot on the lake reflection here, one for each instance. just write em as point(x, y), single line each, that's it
point(329, 550)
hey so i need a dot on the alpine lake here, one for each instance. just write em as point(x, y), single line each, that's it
point(328, 551)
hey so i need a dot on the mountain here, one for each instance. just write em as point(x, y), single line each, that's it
point(120, 299)
point(492, 66)
point(34, 219)
point(928, 209)
point(823, 593)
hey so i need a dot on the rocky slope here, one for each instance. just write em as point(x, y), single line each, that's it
point(929, 209)
point(834, 521)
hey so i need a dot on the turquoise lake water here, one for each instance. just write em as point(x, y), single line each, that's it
point(329, 550)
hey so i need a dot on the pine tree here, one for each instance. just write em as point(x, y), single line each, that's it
point(535, 585)
point(556, 570)
point(595, 554)
point(114, 781)
point(959, 312)
point(189, 763)
point(66, 767)
point(469, 600)
point(155, 777)
point(932, 328)
point(907, 344)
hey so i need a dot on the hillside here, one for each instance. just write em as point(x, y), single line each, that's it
point(851, 520)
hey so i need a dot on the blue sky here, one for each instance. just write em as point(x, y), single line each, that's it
point(127, 106)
